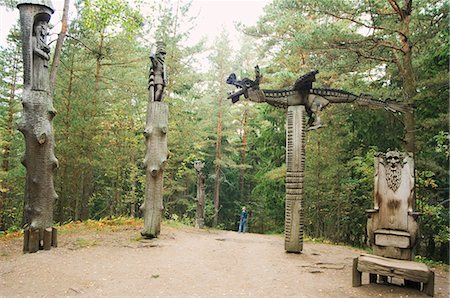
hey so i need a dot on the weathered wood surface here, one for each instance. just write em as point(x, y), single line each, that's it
point(36, 125)
point(47, 239)
point(428, 287)
point(154, 163)
point(394, 190)
point(395, 268)
point(357, 275)
point(393, 252)
point(392, 227)
point(392, 238)
point(295, 160)
point(54, 237)
point(38, 239)
point(414, 274)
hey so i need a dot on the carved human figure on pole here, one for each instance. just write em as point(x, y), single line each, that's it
point(157, 76)
point(41, 55)
point(36, 125)
point(155, 132)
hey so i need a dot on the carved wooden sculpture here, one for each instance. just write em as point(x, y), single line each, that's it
point(392, 226)
point(156, 146)
point(36, 125)
point(299, 99)
point(200, 212)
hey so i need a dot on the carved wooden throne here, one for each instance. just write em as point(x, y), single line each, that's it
point(392, 227)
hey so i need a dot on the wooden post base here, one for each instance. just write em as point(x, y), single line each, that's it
point(414, 274)
point(38, 239)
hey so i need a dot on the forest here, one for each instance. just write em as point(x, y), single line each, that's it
point(390, 49)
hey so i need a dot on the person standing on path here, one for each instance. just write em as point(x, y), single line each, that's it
point(243, 220)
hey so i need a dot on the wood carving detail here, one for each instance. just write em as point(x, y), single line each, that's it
point(392, 225)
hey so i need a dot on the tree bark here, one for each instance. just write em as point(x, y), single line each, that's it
point(200, 212)
point(155, 160)
point(58, 47)
point(61, 203)
point(36, 125)
point(88, 172)
point(217, 165)
point(10, 135)
point(407, 71)
point(243, 153)
point(133, 181)
point(39, 160)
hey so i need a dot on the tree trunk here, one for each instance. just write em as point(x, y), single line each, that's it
point(39, 160)
point(200, 212)
point(406, 69)
point(155, 160)
point(58, 47)
point(295, 160)
point(10, 135)
point(217, 165)
point(243, 153)
point(133, 182)
point(409, 81)
point(61, 203)
point(36, 125)
point(88, 172)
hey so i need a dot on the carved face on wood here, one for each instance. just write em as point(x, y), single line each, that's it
point(393, 163)
point(40, 30)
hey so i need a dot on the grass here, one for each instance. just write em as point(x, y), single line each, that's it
point(101, 224)
point(4, 254)
point(82, 243)
point(176, 224)
point(110, 224)
point(432, 263)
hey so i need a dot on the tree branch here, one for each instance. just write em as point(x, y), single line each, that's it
point(125, 63)
point(396, 8)
point(82, 43)
point(58, 48)
point(359, 53)
point(343, 17)
point(386, 44)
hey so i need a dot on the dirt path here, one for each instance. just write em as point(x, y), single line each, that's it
point(186, 262)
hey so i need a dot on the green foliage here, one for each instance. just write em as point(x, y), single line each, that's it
point(356, 46)
point(101, 97)
point(432, 263)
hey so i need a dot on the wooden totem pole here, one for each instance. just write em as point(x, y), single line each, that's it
point(156, 144)
point(299, 100)
point(36, 125)
point(200, 213)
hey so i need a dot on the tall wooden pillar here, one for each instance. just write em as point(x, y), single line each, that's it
point(36, 126)
point(154, 162)
point(295, 160)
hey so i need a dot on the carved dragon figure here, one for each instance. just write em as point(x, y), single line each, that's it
point(302, 93)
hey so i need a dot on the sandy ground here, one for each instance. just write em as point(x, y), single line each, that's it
point(185, 262)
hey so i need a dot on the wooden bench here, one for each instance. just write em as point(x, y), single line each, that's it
point(408, 270)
